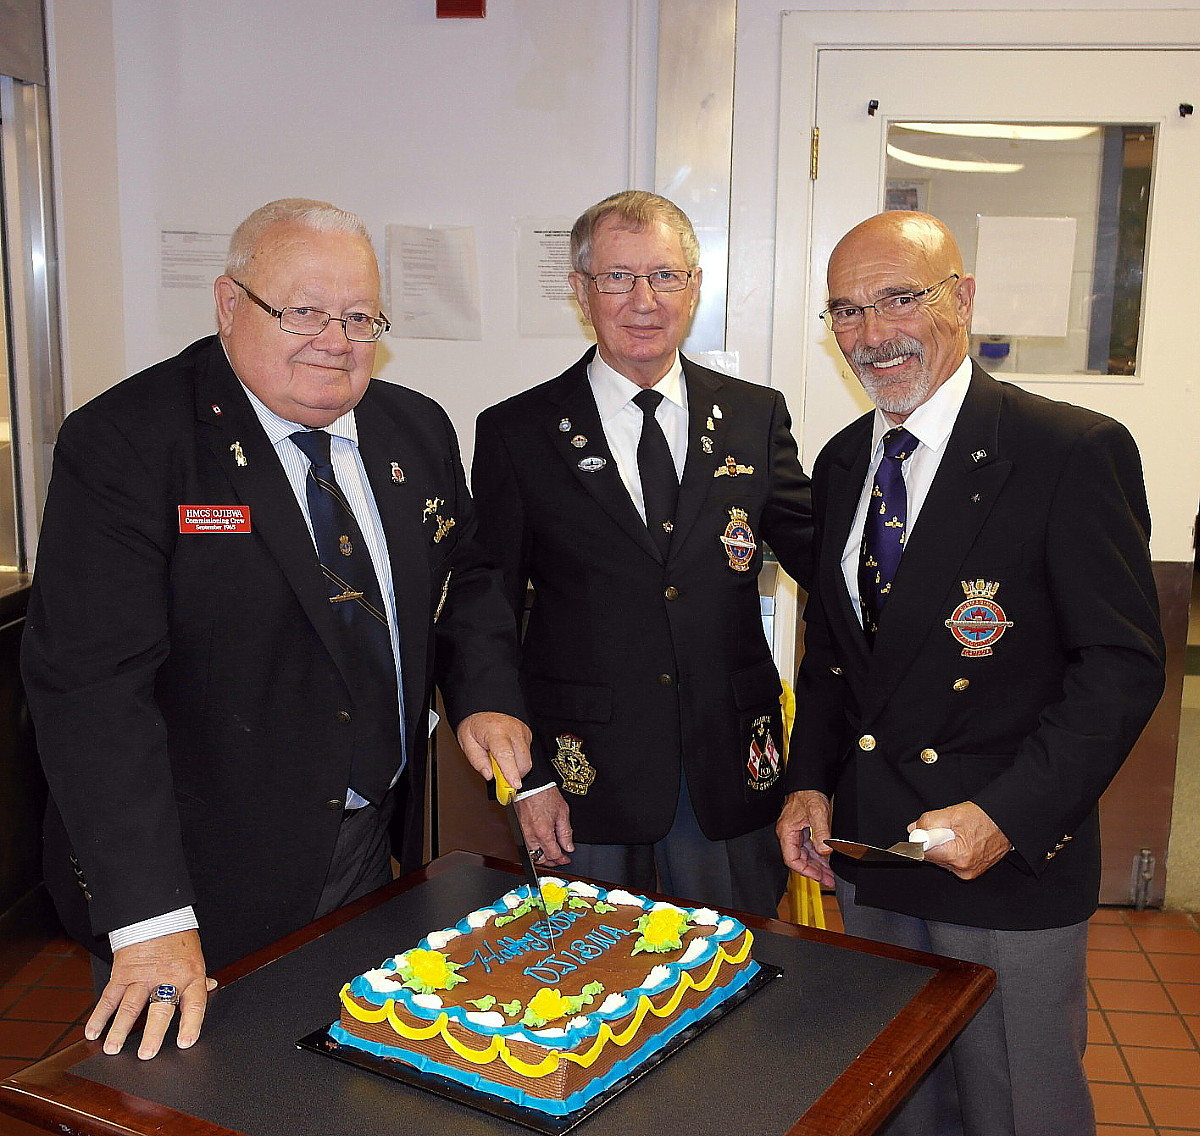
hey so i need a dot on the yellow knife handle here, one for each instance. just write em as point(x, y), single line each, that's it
point(504, 791)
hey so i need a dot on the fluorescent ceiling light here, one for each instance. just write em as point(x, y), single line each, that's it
point(1015, 131)
point(955, 164)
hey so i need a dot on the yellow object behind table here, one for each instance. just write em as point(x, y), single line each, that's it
point(804, 895)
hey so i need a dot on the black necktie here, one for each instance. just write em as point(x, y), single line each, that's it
point(884, 529)
point(361, 617)
point(656, 467)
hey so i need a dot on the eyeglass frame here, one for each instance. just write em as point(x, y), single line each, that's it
point(687, 273)
point(826, 317)
point(381, 322)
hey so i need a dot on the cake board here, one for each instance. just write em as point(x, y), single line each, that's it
point(548, 1124)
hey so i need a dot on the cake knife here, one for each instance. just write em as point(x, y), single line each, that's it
point(912, 849)
point(505, 795)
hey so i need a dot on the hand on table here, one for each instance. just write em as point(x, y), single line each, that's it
point(137, 970)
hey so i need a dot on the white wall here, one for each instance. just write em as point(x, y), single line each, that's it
point(221, 106)
point(539, 109)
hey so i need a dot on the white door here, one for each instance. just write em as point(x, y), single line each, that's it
point(862, 98)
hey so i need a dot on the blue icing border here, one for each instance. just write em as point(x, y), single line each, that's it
point(577, 1099)
point(567, 1036)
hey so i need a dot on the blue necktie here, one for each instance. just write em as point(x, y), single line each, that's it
point(361, 618)
point(884, 529)
point(656, 468)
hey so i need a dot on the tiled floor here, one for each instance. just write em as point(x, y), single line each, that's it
point(1143, 1054)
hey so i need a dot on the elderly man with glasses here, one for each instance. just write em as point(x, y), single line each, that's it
point(255, 562)
point(982, 649)
point(637, 493)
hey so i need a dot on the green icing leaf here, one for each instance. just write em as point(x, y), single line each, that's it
point(484, 1003)
point(603, 908)
point(511, 1008)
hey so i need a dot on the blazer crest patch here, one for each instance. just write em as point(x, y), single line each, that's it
point(978, 623)
point(572, 765)
point(738, 539)
point(764, 763)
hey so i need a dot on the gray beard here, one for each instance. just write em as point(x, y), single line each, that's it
point(901, 400)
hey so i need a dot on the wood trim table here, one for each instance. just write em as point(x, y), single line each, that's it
point(827, 1050)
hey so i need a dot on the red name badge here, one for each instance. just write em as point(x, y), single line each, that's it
point(214, 518)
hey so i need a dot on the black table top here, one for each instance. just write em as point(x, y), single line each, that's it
point(756, 1071)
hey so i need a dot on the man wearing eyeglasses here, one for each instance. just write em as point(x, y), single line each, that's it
point(982, 649)
point(636, 492)
point(255, 561)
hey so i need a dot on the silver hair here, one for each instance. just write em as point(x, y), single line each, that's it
point(632, 209)
point(302, 212)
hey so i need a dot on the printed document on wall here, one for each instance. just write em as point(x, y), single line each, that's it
point(433, 280)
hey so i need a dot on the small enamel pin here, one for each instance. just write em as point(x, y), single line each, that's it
point(579, 441)
point(592, 464)
point(710, 424)
point(716, 411)
point(979, 455)
point(565, 425)
point(731, 468)
point(239, 458)
point(397, 474)
point(344, 545)
point(215, 408)
point(432, 504)
point(706, 442)
point(444, 525)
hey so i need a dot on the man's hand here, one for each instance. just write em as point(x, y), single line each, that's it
point(136, 971)
point(802, 829)
point(504, 737)
point(978, 842)
point(546, 822)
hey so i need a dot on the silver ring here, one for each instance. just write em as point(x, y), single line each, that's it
point(165, 993)
point(536, 853)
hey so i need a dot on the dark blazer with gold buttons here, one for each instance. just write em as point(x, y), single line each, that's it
point(189, 691)
point(637, 664)
point(1018, 658)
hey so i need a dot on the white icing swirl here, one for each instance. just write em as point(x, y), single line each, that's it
point(705, 917)
point(547, 1034)
point(623, 899)
point(437, 940)
point(725, 927)
point(488, 1018)
point(577, 1023)
point(427, 1001)
point(695, 949)
point(578, 887)
point(481, 918)
point(612, 1003)
point(381, 981)
point(656, 978)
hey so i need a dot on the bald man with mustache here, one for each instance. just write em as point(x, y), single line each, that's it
point(982, 650)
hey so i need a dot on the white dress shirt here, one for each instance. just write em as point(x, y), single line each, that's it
point(930, 424)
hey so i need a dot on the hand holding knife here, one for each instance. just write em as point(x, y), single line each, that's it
point(506, 795)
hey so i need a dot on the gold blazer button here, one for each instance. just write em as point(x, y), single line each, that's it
point(961, 683)
point(929, 756)
point(866, 743)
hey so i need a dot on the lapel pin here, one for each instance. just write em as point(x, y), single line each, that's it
point(717, 411)
point(238, 457)
point(979, 455)
point(397, 474)
point(706, 443)
point(592, 464)
point(344, 545)
point(710, 424)
point(444, 525)
point(565, 425)
point(579, 441)
point(432, 504)
point(731, 468)
point(216, 409)
point(976, 498)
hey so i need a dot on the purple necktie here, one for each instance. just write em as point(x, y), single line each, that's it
point(884, 529)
